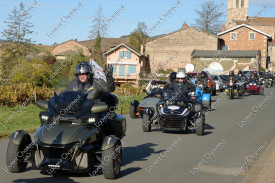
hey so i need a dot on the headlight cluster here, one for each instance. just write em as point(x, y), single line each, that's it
point(91, 120)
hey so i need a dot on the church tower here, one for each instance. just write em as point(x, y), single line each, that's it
point(236, 10)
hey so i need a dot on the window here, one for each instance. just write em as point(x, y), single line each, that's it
point(225, 48)
point(122, 70)
point(132, 69)
point(237, 3)
point(251, 36)
point(233, 36)
point(125, 54)
point(242, 3)
point(114, 68)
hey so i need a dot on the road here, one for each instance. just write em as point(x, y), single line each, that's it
point(231, 143)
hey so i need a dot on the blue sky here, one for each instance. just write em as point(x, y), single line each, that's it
point(49, 16)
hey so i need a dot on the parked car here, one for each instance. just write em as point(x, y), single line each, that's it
point(220, 84)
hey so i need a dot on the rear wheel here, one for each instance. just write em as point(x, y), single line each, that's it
point(133, 111)
point(200, 126)
point(16, 155)
point(146, 123)
point(112, 159)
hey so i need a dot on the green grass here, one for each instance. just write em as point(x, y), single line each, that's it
point(28, 117)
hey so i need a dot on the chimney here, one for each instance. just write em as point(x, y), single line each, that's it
point(141, 49)
point(222, 30)
point(184, 26)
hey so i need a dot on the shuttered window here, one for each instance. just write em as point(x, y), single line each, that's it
point(132, 69)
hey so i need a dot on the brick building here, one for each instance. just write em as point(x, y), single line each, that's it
point(173, 51)
point(237, 11)
point(244, 37)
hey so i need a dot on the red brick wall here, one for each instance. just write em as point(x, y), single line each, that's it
point(243, 42)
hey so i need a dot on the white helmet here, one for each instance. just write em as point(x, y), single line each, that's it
point(181, 75)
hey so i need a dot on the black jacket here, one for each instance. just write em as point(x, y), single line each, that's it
point(94, 88)
point(203, 81)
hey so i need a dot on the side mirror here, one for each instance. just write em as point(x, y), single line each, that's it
point(144, 90)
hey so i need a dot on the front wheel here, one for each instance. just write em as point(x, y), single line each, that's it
point(16, 163)
point(200, 126)
point(133, 111)
point(112, 159)
point(146, 123)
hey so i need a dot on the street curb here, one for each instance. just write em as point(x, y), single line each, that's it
point(264, 169)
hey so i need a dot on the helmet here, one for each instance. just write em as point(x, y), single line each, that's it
point(231, 73)
point(202, 72)
point(181, 75)
point(240, 72)
point(83, 68)
point(254, 72)
point(173, 76)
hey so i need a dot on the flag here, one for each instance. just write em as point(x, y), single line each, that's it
point(97, 70)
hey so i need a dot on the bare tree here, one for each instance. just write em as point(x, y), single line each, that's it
point(99, 27)
point(18, 25)
point(209, 17)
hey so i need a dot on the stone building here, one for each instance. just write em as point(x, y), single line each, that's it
point(173, 51)
point(68, 47)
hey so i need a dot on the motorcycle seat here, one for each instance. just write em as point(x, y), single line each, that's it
point(99, 107)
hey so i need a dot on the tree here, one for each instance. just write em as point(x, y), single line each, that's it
point(18, 25)
point(18, 47)
point(98, 31)
point(99, 27)
point(138, 36)
point(209, 17)
point(97, 54)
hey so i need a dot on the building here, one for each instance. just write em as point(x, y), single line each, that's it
point(222, 61)
point(237, 14)
point(173, 51)
point(244, 37)
point(60, 51)
point(127, 63)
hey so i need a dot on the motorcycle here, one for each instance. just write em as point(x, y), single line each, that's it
point(231, 89)
point(73, 136)
point(177, 112)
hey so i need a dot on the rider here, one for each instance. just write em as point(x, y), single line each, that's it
point(184, 82)
point(171, 80)
point(203, 79)
point(254, 77)
point(86, 83)
point(231, 77)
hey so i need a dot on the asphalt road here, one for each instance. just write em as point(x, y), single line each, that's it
point(227, 147)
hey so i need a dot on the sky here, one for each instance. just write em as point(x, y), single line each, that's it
point(56, 21)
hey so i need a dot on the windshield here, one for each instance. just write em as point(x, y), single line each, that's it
point(215, 78)
point(176, 93)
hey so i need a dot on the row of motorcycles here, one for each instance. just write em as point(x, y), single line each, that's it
point(249, 84)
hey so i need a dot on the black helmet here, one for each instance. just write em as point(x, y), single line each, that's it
point(203, 73)
point(173, 76)
point(231, 73)
point(83, 68)
point(240, 72)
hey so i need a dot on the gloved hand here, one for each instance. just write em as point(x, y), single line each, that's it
point(108, 71)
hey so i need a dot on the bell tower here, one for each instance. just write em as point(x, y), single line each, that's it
point(236, 10)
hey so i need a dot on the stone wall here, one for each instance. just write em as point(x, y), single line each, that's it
point(173, 50)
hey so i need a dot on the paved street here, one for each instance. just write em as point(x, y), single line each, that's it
point(227, 152)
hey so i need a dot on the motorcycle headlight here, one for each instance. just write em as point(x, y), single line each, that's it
point(91, 120)
point(44, 117)
point(160, 105)
point(254, 84)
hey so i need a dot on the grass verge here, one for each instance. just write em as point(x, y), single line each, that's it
point(27, 118)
